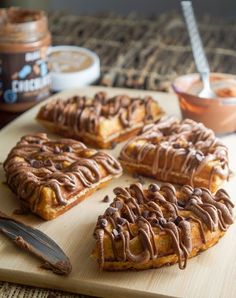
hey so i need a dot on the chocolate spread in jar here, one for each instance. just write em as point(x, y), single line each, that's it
point(219, 113)
point(24, 42)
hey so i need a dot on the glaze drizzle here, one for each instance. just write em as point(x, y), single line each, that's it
point(170, 140)
point(66, 166)
point(159, 210)
point(84, 115)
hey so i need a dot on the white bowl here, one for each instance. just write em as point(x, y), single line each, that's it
point(63, 80)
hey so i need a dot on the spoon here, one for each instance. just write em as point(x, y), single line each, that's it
point(197, 49)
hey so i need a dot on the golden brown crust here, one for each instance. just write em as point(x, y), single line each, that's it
point(200, 180)
point(90, 139)
point(50, 177)
point(167, 260)
point(101, 121)
point(150, 228)
point(179, 152)
point(51, 212)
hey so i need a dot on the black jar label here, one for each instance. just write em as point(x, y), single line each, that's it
point(24, 77)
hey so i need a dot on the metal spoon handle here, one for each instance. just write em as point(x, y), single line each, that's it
point(195, 39)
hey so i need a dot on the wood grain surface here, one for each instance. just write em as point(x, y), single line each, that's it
point(211, 274)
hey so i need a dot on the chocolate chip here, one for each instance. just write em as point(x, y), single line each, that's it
point(162, 220)
point(56, 150)
point(67, 148)
point(181, 203)
point(199, 156)
point(153, 187)
point(48, 163)
point(106, 199)
point(102, 222)
point(119, 228)
point(115, 233)
point(42, 149)
point(58, 166)
point(197, 192)
point(36, 163)
point(121, 221)
point(176, 146)
point(145, 213)
point(178, 219)
point(111, 210)
point(118, 204)
point(193, 201)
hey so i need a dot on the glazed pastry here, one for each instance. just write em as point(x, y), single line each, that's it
point(182, 152)
point(50, 176)
point(157, 226)
point(100, 121)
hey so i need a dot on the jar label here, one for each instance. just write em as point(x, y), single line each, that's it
point(24, 77)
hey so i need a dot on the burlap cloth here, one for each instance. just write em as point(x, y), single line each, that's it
point(144, 53)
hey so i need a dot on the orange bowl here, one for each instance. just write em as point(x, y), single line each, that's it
point(219, 113)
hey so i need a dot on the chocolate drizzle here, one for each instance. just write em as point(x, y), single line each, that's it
point(146, 214)
point(65, 166)
point(171, 146)
point(84, 115)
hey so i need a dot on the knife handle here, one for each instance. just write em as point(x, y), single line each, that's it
point(195, 39)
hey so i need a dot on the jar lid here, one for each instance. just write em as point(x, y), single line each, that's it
point(73, 67)
point(22, 25)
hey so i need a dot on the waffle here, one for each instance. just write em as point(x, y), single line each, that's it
point(157, 226)
point(50, 176)
point(181, 152)
point(100, 121)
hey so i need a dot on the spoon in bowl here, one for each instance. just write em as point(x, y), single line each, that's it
point(198, 51)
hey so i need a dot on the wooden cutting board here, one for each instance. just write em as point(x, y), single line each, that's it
point(211, 274)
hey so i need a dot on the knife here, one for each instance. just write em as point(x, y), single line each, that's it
point(37, 243)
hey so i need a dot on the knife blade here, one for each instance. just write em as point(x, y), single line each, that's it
point(37, 243)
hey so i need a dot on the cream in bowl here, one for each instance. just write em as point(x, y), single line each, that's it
point(73, 67)
point(69, 61)
point(219, 113)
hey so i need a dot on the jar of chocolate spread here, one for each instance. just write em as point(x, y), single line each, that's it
point(24, 72)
